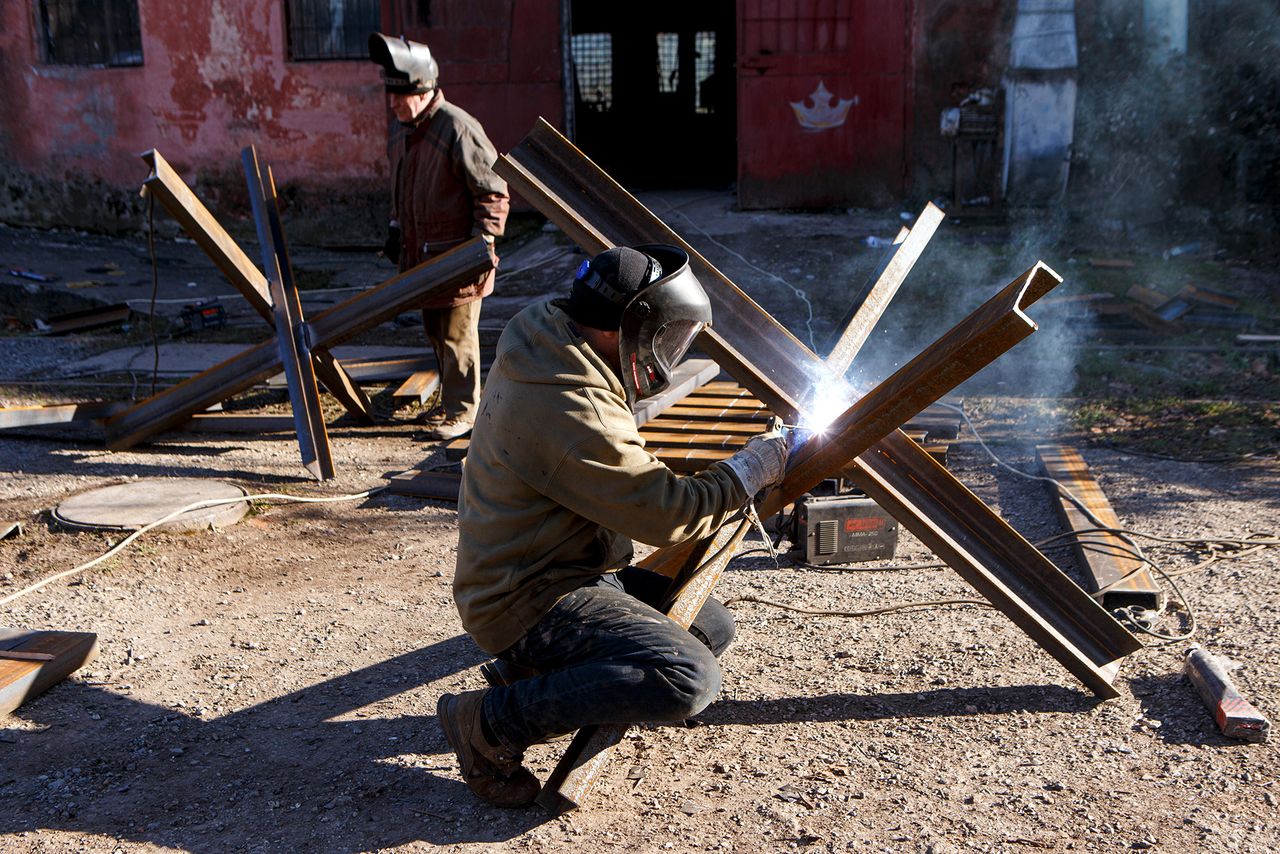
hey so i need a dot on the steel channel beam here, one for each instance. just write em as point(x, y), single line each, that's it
point(875, 298)
point(1123, 579)
point(57, 413)
point(329, 328)
point(998, 562)
point(584, 194)
point(171, 191)
point(597, 213)
point(291, 338)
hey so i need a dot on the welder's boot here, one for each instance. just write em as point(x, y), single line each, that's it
point(492, 772)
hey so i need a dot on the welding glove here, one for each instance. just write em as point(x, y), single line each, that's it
point(391, 249)
point(761, 463)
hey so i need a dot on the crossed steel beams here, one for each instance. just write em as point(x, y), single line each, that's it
point(299, 344)
point(598, 213)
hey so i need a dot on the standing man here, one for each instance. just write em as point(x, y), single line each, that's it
point(444, 192)
point(557, 484)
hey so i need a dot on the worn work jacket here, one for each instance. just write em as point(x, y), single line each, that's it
point(444, 191)
point(557, 482)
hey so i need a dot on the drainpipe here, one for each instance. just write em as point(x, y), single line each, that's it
point(1040, 102)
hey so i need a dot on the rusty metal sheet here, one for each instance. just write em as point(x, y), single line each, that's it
point(291, 329)
point(329, 328)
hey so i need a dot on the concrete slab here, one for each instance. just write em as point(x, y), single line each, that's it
point(135, 503)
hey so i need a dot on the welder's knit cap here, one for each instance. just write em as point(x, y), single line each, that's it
point(603, 286)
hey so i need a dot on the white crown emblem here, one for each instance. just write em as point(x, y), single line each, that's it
point(827, 111)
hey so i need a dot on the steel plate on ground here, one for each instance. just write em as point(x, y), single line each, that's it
point(130, 505)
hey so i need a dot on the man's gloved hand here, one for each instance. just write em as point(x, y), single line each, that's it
point(761, 463)
point(391, 249)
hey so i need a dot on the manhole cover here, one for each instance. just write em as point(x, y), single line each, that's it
point(129, 506)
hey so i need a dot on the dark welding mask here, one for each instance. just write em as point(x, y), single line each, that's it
point(407, 67)
point(660, 322)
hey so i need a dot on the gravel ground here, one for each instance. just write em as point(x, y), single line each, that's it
point(271, 686)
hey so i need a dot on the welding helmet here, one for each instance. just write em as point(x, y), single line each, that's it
point(649, 294)
point(407, 67)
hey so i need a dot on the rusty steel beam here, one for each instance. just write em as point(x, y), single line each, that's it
point(870, 305)
point(1123, 580)
point(597, 213)
point(997, 561)
point(291, 331)
point(166, 186)
point(327, 329)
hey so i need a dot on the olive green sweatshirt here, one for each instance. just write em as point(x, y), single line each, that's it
point(557, 482)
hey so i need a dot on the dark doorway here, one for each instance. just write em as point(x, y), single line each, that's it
point(654, 90)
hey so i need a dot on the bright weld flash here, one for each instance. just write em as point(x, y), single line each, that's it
point(829, 398)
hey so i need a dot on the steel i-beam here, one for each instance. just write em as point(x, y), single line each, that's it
point(291, 330)
point(328, 329)
point(167, 187)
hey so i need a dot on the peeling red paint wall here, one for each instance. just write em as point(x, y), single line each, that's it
point(215, 78)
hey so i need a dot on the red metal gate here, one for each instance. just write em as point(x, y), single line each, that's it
point(822, 102)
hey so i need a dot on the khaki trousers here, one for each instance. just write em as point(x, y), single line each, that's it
point(454, 333)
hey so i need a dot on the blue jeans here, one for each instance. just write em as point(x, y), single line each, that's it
point(608, 657)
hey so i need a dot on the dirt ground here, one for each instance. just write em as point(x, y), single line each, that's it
point(272, 686)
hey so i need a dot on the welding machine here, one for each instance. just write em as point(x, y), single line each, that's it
point(208, 314)
point(841, 526)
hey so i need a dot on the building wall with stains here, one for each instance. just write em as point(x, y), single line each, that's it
point(215, 77)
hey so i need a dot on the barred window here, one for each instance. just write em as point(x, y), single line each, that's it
point(90, 32)
point(331, 29)
point(593, 63)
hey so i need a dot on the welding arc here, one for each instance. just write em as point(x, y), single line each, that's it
point(199, 505)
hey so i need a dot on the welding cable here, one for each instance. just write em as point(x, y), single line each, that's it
point(803, 297)
point(871, 612)
point(155, 288)
point(1122, 534)
point(199, 505)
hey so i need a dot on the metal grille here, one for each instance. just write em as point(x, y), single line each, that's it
point(798, 27)
point(704, 65)
point(828, 536)
point(90, 32)
point(668, 62)
point(593, 67)
point(331, 29)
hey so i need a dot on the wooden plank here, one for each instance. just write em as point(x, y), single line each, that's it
point(440, 485)
point(1106, 563)
point(727, 428)
point(736, 404)
point(710, 440)
point(697, 413)
point(420, 385)
point(22, 680)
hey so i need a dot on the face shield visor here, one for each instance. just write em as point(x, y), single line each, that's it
point(659, 324)
point(407, 67)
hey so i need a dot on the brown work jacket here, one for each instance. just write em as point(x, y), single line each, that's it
point(444, 191)
point(558, 482)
